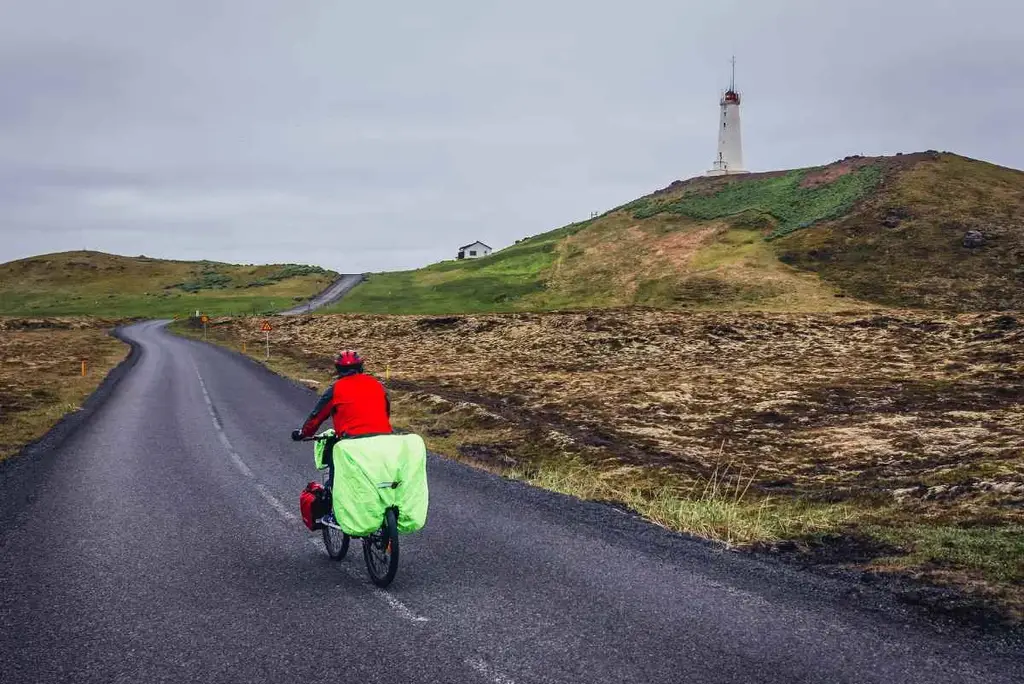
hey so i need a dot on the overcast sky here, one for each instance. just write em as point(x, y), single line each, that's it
point(380, 136)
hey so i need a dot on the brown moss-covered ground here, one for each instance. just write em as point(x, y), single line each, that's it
point(911, 423)
point(41, 372)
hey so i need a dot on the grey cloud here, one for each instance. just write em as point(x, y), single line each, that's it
point(373, 137)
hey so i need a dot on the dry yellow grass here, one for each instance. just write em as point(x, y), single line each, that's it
point(40, 373)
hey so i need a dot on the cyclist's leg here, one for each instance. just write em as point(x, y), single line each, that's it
point(329, 457)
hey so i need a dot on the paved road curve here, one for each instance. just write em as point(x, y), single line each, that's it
point(161, 542)
point(338, 289)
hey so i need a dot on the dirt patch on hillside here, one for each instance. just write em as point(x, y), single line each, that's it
point(830, 173)
point(41, 372)
point(679, 249)
point(842, 167)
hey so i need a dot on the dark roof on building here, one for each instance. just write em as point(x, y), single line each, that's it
point(475, 243)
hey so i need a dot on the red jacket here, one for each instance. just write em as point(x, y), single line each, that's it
point(359, 405)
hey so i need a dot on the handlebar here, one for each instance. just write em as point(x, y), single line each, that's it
point(314, 438)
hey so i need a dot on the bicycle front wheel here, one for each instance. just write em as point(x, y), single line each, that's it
point(380, 550)
point(336, 543)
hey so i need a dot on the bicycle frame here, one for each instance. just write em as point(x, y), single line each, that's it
point(387, 532)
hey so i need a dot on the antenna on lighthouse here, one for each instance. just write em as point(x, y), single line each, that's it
point(732, 82)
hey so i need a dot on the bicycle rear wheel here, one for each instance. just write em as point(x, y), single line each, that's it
point(380, 550)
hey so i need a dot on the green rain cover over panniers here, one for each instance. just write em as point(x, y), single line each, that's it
point(364, 469)
point(319, 447)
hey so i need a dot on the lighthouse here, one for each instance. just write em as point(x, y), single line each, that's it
point(730, 143)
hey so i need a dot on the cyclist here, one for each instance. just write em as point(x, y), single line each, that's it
point(358, 404)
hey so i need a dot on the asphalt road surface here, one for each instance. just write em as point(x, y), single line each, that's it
point(338, 289)
point(160, 542)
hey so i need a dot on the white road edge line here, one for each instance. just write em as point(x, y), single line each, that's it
point(276, 504)
point(482, 668)
point(403, 610)
point(399, 607)
point(239, 463)
point(264, 492)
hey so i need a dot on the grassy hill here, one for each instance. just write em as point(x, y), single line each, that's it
point(863, 231)
point(94, 283)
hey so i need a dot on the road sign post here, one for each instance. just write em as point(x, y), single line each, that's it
point(266, 328)
point(205, 320)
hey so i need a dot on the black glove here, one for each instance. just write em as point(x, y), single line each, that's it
point(297, 435)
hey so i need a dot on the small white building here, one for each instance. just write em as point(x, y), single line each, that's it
point(474, 250)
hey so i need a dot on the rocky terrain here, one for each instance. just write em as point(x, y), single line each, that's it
point(921, 409)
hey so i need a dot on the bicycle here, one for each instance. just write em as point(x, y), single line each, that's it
point(380, 548)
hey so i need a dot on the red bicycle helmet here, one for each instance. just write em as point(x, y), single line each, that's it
point(347, 360)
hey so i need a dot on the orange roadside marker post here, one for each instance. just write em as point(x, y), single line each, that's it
point(83, 368)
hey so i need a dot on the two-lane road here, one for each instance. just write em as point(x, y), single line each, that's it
point(161, 542)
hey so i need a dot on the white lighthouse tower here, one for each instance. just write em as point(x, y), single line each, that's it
point(730, 143)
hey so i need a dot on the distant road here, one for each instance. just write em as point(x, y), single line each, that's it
point(336, 291)
point(161, 542)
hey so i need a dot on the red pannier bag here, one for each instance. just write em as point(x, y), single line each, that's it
point(313, 504)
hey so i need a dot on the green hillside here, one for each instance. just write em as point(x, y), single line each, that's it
point(863, 231)
point(94, 283)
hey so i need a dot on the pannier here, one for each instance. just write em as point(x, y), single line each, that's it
point(314, 505)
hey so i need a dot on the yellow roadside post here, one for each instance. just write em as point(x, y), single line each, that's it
point(83, 368)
